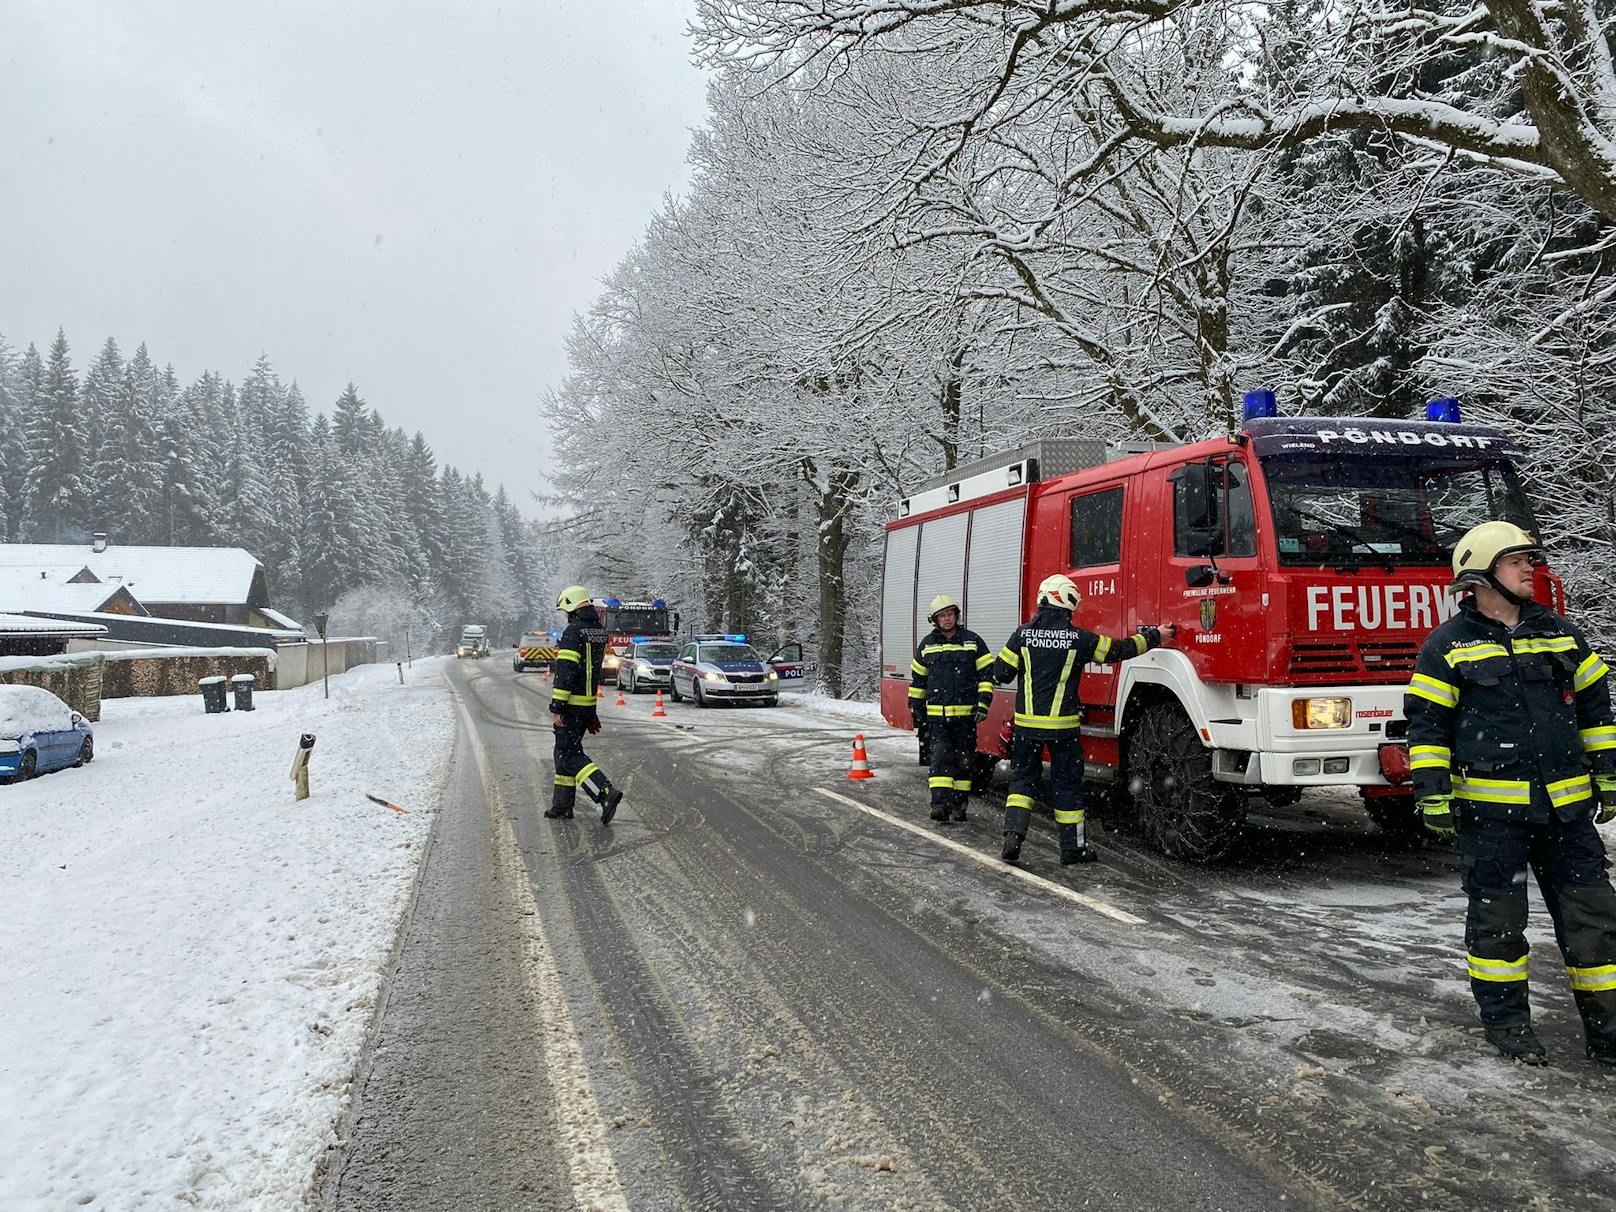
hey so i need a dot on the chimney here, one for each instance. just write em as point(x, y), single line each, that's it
point(98, 542)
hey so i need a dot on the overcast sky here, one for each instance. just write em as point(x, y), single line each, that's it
point(413, 196)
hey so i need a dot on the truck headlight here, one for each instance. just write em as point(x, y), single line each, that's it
point(1321, 713)
point(611, 662)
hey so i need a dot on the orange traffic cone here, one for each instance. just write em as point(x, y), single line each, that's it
point(546, 673)
point(600, 694)
point(657, 712)
point(861, 761)
point(621, 701)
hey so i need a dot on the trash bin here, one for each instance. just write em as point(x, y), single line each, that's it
point(213, 695)
point(242, 684)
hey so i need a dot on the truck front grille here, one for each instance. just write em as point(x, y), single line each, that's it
point(1320, 662)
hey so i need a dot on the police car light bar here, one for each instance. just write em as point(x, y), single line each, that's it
point(714, 637)
point(1443, 408)
point(613, 602)
point(1260, 403)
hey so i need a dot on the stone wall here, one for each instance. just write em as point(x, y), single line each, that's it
point(76, 679)
point(151, 674)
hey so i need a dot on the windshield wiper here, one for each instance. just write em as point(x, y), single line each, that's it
point(1350, 534)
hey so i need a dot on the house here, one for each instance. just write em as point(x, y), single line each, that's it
point(217, 585)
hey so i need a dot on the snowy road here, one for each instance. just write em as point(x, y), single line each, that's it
point(750, 994)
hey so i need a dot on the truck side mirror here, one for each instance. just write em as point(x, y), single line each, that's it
point(1200, 576)
point(1196, 490)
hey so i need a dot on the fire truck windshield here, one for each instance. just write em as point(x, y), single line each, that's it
point(1385, 510)
point(635, 620)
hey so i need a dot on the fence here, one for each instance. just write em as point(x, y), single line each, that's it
point(75, 679)
point(154, 672)
point(300, 664)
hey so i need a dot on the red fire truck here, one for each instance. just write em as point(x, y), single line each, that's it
point(626, 621)
point(1303, 561)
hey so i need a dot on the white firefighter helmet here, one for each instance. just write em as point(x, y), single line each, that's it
point(572, 597)
point(1483, 546)
point(1058, 590)
point(939, 604)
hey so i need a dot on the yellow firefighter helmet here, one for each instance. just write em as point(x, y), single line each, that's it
point(939, 604)
point(1058, 590)
point(572, 597)
point(1483, 546)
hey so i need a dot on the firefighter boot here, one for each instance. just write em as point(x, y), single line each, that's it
point(1016, 820)
point(608, 807)
point(1599, 1025)
point(559, 811)
point(1073, 848)
point(1518, 1043)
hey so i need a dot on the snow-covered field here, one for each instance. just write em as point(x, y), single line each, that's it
point(189, 958)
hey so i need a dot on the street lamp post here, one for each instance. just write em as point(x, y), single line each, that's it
point(325, 656)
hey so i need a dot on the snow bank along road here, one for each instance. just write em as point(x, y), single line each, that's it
point(749, 994)
point(190, 960)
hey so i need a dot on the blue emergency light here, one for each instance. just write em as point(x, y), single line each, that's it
point(613, 602)
point(1443, 408)
point(658, 604)
point(1260, 403)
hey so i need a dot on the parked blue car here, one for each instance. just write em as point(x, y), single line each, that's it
point(40, 733)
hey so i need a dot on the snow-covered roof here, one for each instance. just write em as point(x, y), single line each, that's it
point(281, 620)
point(20, 624)
point(192, 576)
point(23, 588)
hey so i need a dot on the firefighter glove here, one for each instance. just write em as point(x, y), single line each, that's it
point(979, 712)
point(1606, 810)
point(1437, 813)
point(1152, 636)
point(594, 724)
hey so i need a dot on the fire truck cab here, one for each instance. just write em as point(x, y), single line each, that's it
point(626, 621)
point(1302, 561)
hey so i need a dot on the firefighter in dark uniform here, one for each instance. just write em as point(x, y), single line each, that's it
point(572, 708)
point(949, 693)
point(1513, 746)
point(1045, 658)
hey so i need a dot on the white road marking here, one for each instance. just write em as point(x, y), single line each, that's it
point(586, 1151)
point(993, 864)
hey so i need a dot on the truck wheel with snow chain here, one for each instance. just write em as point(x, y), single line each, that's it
point(1181, 810)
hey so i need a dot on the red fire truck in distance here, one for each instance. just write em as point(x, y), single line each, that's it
point(1302, 561)
point(626, 621)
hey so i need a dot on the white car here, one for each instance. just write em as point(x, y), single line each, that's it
point(647, 665)
point(718, 668)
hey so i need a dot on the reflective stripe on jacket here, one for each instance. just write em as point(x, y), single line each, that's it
point(1494, 713)
point(949, 675)
point(1045, 658)
point(579, 653)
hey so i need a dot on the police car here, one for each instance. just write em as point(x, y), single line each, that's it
point(646, 665)
point(720, 668)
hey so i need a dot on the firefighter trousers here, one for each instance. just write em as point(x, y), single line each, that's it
point(1026, 776)
point(573, 769)
point(1568, 859)
point(953, 749)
